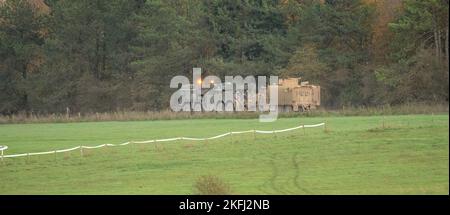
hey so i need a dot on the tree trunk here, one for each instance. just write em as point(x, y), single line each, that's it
point(97, 58)
point(439, 44)
point(446, 44)
point(436, 38)
point(25, 93)
point(104, 55)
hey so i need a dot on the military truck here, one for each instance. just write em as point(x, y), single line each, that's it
point(293, 95)
point(297, 95)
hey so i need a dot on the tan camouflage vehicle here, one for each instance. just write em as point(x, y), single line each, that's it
point(297, 95)
point(293, 95)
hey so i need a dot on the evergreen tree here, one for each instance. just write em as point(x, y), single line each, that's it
point(22, 35)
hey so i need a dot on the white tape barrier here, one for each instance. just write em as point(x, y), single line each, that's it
point(3, 148)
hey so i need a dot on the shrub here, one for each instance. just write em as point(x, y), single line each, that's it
point(211, 185)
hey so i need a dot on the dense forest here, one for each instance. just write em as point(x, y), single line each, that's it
point(119, 55)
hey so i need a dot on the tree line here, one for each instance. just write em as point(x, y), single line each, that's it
point(111, 55)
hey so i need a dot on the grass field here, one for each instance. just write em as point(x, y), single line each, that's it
point(355, 155)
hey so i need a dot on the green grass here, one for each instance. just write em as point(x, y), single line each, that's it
point(356, 155)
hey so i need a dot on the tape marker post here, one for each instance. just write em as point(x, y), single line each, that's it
point(3, 148)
